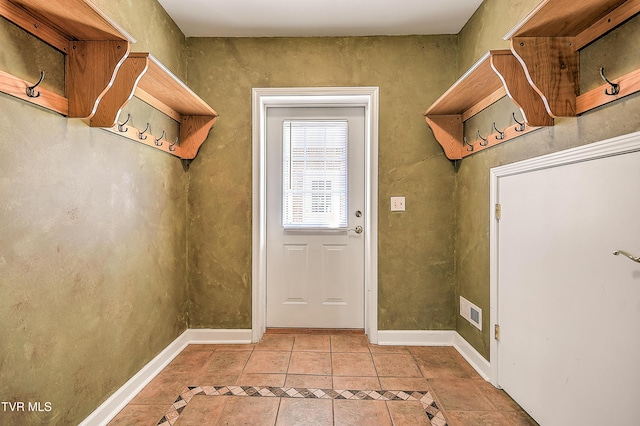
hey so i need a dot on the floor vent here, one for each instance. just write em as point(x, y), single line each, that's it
point(471, 312)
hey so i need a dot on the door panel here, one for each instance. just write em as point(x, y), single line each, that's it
point(568, 308)
point(315, 277)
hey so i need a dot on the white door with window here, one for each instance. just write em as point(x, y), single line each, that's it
point(315, 216)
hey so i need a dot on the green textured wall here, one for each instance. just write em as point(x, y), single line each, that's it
point(415, 248)
point(483, 32)
point(92, 239)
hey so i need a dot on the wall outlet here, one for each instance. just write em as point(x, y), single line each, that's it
point(471, 312)
point(398, 204)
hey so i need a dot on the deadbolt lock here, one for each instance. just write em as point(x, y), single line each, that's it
point(358, 213)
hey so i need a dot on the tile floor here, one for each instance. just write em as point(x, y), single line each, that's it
point(320, 379)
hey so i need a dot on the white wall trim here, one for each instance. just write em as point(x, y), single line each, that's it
point(473, 357)
point(610, 147)
point(416, 337)
point(262, 98)
point(120, 398)
point(437, 338)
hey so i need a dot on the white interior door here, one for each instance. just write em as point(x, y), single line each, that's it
point(315, 216)
point(568, 309)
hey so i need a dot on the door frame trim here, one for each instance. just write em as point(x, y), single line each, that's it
point(262, 99)
point(615, 146)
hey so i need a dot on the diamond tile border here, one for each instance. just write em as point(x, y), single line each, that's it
point(424, 397)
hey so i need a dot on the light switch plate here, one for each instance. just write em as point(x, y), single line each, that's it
point(398, 204)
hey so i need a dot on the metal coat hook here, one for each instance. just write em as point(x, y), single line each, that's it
point(160, 139)
point(485, 140)
point(615, 88)
point(121, 125)
point(172, 146)
point(501, 137)
point(470, 149)
point(521, 125)
point(31, 90)
point(627, 254)
point(141, 135)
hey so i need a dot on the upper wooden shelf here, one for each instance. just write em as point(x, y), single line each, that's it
point(102, 75)
point(59, 21)
point(143, 76)
point(494, 76)
point(94, 47)
point(547, 42)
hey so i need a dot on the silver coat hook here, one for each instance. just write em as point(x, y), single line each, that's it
point(499, 132)
point(615, 88)
point(141, 135)
point(121, 127)
point(627, 254)
point(521, 126)
point(159, 140)
point(465, 142)
point(172, 147)
point(31, 90)
point(485, 141)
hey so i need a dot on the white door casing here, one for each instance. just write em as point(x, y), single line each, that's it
point(263, 98)
point(315, 275)
point(565, 304)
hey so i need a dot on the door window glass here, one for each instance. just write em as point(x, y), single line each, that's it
point(314, 174)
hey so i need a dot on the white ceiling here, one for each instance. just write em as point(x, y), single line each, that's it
point(292, 18)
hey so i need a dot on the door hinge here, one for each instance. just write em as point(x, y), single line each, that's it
point(496, 332)
point(498, 211)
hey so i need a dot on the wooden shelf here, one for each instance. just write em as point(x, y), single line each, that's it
point(495, 75)
point(93, 44)
point(547, 43)
point(143, 76)
point(101, 75)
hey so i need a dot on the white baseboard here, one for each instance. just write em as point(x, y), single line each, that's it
point(116, 402)
point(473, 357)
point(416, 337)
point(437, 338)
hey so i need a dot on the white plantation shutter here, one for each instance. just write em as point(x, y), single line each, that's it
point(314, 174)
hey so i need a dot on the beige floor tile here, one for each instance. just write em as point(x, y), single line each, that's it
point(396, 365)
point(460, 395)
point(404, 383)
point(256, 379)
point(316, 363)
point(239, 347)
point(349, 343)
point(442, 366)
point(309, 342)
point(407, 413)
point(268, 362)
point(242, 410)
point(498, 397)
point(305, 412)
point(202, 410)
point(356, 383)
point(384, 349)
point(352, 364)
point(275, 342)
point(308, 381)
point(143, 415)
point(221, 362)
point(519, 418)
point(163, 389)
point(357, 413)
point(474, 418)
